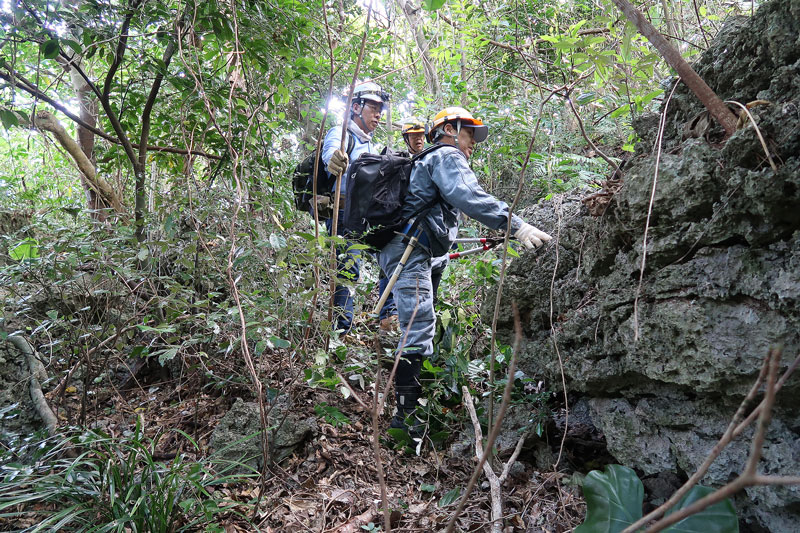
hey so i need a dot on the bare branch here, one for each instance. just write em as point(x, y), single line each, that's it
point(749, 476)
point(727, 437)
point(31, 89)
point(45, 121)
point(512, 367)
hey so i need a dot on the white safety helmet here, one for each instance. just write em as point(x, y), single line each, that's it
point(369, 90)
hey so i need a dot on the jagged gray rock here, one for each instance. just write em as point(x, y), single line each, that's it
point(237, 437)
point(721, 283)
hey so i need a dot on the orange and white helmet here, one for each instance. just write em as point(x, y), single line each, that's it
point(462, 119)
point(413, 126)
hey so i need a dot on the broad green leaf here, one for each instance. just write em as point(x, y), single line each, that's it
point(586, 98)
point(646, 99)
point(575, 27)
point(277, 241)
point(76, 46)
point(331, 414)
point(620, 111)
point(432, 5)
point(27, 249)
point(427, 487)
point(591, 41)
point(567, 43)
point(450, 497)
point(718, 518)
point(613, 500)
point(400, 436)
point(277, 342)
point(49, 48)
point(166, 355)
point(9, 118)
point(163, 328)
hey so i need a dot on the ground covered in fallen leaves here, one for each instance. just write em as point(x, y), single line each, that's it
point(331, 482)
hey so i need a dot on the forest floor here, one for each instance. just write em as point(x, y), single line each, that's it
point(331, 483)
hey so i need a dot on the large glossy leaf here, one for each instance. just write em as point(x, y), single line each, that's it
point(432, 5)
point(613, 500)
point(718, 518)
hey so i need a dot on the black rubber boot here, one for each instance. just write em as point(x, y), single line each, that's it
point(405, 418)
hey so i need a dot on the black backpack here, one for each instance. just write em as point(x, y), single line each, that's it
point(376, 190)
point(303, 180)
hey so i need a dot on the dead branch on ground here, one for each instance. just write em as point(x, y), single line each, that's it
point(495, 481)
point(37, 375)
point(512, 367)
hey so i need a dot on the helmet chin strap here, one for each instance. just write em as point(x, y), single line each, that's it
point(454, 137)
point(360, 117)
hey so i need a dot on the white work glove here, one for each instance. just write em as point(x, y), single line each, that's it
point(338, 163)
point(531, 237)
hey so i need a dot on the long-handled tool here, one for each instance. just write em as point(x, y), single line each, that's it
point(487, 244)
point(412, 242)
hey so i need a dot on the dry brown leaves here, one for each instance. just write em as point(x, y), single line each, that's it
point(332, 485)
point(598, 202)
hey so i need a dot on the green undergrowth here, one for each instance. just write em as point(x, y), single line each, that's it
point(91, 481)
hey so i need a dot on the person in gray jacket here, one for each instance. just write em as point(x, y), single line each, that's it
point(444, 181)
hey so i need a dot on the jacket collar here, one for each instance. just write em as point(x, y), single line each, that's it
point(353, 128)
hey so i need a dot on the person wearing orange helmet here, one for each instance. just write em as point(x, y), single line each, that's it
point(441, 188)
point(414, 135)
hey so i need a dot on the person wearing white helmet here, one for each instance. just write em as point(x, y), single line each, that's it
point(365, 115)
point(443, 180)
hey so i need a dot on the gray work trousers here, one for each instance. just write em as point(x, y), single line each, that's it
point(413, 296)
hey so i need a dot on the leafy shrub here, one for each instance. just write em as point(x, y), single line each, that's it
point(112, 485)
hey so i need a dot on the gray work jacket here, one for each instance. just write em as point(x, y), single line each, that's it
point(444, 174)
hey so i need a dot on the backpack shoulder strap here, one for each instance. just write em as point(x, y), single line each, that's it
point(416, 157)
point(426, 151)
point(351, 143)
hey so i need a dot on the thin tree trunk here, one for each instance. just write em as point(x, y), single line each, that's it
point(414, 20)
point(88, 114)
point(139, 165)
point(700, 88)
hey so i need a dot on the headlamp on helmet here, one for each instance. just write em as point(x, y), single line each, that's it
point(372, 92)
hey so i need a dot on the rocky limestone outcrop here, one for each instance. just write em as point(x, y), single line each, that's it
point(237, 437)
point(664, 368)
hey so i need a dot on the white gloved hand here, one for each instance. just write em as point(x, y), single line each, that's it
point(530, 236)
point(338, 163)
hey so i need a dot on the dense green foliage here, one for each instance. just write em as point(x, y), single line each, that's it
point(207, 264)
